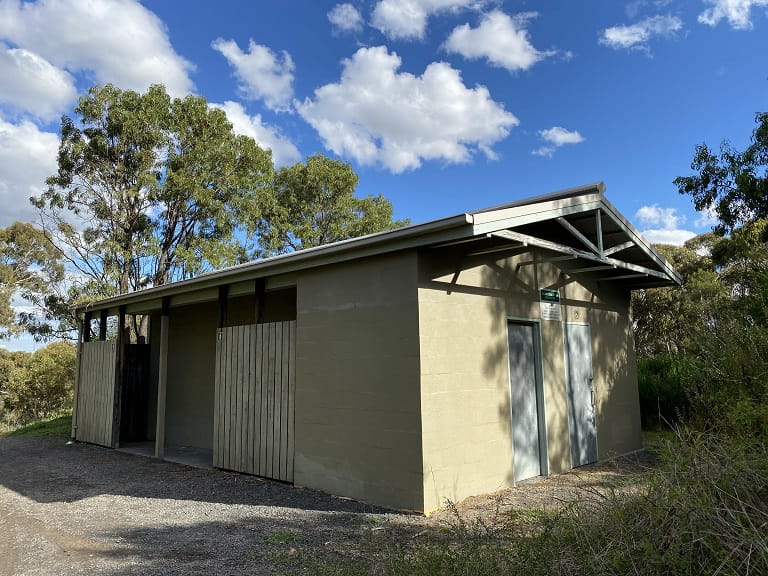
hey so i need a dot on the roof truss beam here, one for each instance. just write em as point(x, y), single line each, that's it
point(618, 248)
point(527, 240)
point(583, 239)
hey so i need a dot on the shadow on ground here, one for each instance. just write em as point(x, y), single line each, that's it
point(50, 470)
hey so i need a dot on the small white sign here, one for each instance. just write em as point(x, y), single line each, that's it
point(549, 300)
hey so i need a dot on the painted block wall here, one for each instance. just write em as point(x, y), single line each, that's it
point(358, 424)
point(191, 366)
point(464, 304)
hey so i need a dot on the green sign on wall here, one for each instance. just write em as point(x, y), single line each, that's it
point(549, 301)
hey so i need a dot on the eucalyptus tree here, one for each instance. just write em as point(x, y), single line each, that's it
point(29, 272)
point(150, 189)
point(314, 203)
point(734, 183)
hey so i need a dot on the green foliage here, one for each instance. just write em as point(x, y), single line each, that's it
point(314, 204)
point(702, 511)
point(663, 316)
point(40, 385)
point(663, 400)
point(712, 333)
point(149, 190)
point(29, 269)
point(56, 426)
point(733, 184)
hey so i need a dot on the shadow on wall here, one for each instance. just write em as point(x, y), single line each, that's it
point(48, 470)
point(604, 308)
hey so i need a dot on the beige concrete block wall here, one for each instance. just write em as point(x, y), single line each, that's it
point(464, 305)
point(358, 426)
point(191, 367)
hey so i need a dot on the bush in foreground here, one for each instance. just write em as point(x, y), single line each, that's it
point(704, 510)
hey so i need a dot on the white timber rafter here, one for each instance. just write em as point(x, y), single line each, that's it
point(527, 240)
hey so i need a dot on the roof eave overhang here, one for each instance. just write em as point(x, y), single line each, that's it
point(442, 230)
point(499, 222)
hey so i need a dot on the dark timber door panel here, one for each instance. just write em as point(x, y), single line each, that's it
point(254, 399)
point(524, 401)
point(581, 394)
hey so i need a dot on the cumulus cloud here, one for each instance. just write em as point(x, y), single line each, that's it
point(346, 18)
point(662, 225)
point(377, 115)
point(737, 12)
point(556, 137)
point(263, 75)
point(283, 150)
point(118, 41)
point(407, 19)
point(636, 36)
point(707, 218)
point(501, 39)
point(32, 84)
point(27, 158)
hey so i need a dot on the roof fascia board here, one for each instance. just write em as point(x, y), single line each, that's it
point(292, 263)
point(595, 187)
point(546, 212)
point(549, 206)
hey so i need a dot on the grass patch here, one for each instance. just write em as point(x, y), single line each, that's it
point(56, 426)
point(703, 510)
point(658, 438)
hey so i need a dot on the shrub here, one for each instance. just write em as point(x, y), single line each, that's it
point(662, 397)
point(703, 510)
point(42, 386)
point(726, 381)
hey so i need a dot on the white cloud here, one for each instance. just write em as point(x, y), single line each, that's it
point(663, 236)
point(707, 218)
point(377, 115)
point(636, 36)
point(346, 18)
point(501, 39)
point(407, 19)
point(637, 6)
point(662, 225)
point(556, 137)
point(31, 84)
point(283, 150)
point(263, 75)
point(737, 12)
point(118, 41)
point(27, 158)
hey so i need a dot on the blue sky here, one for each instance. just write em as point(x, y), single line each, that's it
point(443, 106)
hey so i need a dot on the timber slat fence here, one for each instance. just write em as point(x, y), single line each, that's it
point(254, 399)
point(96, 392)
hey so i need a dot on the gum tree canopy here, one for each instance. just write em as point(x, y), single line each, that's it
point(733, 184)
point(314, 204)
point(29, 268)
point(151, 189)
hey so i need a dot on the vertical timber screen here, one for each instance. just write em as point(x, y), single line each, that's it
point(96, 392)
point(254, 399)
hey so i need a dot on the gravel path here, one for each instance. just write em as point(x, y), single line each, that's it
point(81, 509)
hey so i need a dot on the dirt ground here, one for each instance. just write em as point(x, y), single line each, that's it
point(73, 509)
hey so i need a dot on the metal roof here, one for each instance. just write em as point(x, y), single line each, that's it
point(582, 231)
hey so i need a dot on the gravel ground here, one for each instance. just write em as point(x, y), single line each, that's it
point(81, 509)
